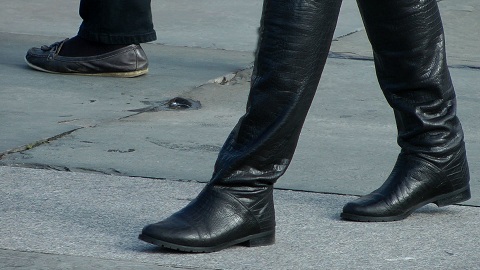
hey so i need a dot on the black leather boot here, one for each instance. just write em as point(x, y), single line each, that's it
point(236, 207)
point(409, 51)
point(219, 217)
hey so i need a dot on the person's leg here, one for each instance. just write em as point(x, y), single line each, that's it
point(237, 205)
point(110, 25)
point(409, 51)
point(116, 22)
point(107, 42)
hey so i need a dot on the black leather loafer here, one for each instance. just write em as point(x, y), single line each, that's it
point(129, 61)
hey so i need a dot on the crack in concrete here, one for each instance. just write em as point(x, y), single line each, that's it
point(61, 168)
point(352, 195)
point(189, 146)
point(40, 166)
point(33, 145)
point(349, 34)
point(349, 56)
point(358, 57)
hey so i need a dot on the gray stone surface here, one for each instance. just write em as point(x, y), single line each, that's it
point(37, 106)
point(349, 120)
point(11, 259)
point(230, 25)
point(57, 220)
point(459, 18)
point(99, 216)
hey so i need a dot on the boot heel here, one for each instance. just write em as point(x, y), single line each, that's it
point(265, 240)
point(455, 198)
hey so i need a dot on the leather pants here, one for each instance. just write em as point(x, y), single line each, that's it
point(409, 51)
point(294, 42)
point(408, 43)
point(237, 207)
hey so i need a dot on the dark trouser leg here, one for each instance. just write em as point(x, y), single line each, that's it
point(409, 51)
point(293, 47)
point(117, 22)
point(237, 205)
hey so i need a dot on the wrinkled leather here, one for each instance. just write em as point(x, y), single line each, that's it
point(219, 217)
point(409, 52)
point(131, 58)
point(294, 41)
point(413, 183)
point(295, 38)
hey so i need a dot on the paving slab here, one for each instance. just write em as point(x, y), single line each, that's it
point(36, 106)
point(109, 138)
point(11, 259)
point(100, 216)
point(113, 127)
point(217, 24)
point(349, 120)
point(460, 19)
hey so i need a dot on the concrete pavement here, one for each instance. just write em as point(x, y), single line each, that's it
point(98, 217)
point(88, 161)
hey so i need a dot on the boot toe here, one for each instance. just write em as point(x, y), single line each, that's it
point(172, 229)
point(213, 221)
point(372, 207)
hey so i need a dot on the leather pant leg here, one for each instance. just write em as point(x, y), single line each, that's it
point(237, 206)
point(295, 38)
point(409, 51)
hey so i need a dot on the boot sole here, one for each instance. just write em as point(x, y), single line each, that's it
point(457, 196)
point(261, 239)
point(128, 74)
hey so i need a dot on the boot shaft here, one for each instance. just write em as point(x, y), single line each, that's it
point(408, 44)
point(295, 37)
point(258, 201)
